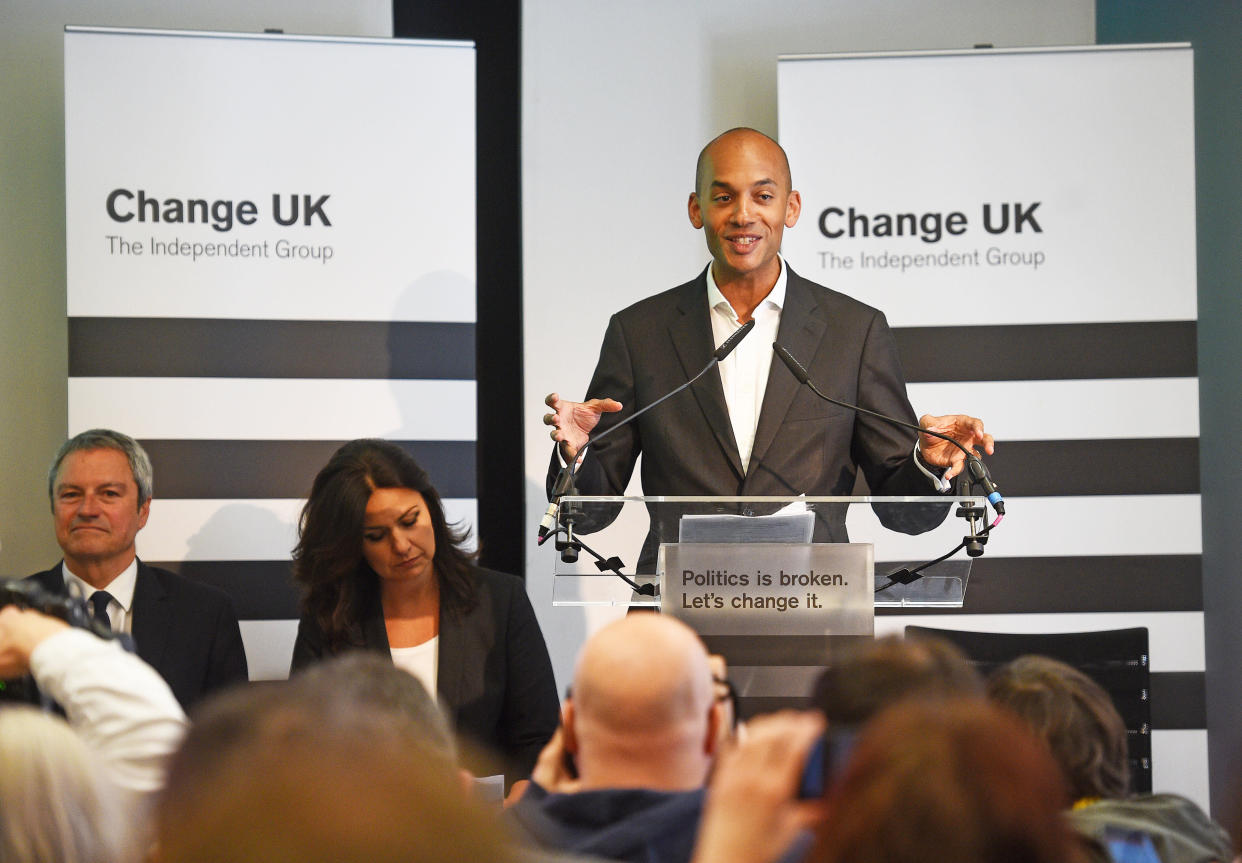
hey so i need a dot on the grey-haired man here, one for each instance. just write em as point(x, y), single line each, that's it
point(100, 485)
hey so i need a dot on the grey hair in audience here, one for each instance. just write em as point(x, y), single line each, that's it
point(1075, 716)
point(55, 804)
point(366, 678)
point(139, 461)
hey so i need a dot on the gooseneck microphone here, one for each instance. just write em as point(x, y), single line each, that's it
point(974, 465)
point(565, 479)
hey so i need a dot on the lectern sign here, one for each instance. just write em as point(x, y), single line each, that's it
point(770, 588)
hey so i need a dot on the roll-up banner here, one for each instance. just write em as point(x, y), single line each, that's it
point(271, 250)
point(1026, 220)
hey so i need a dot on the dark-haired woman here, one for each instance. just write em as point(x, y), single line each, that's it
point(381, 569)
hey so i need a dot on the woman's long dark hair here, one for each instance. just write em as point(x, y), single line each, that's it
point(328, 560)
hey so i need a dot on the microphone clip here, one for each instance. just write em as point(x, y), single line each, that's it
point(976, 517)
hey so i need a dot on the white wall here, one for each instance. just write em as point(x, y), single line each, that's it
point(617, 101)
point(33, 340)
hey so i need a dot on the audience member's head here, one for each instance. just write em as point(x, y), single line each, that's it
point(367, 679)
point(957, 779)
point(866, 676)
point(1076, 719)
point(55, 804)
point(321, 768)
point(643, 712)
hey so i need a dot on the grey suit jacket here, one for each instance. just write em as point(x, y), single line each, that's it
point(803, 445)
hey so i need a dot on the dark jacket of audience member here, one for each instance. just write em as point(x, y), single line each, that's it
point(1078, 721)
point(639, 825)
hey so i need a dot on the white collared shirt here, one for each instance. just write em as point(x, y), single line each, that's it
point(120, 609)
point(744, 373)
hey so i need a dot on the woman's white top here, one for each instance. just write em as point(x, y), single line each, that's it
point(420, 660)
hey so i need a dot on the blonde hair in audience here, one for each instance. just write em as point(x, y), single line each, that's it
point(54, 803)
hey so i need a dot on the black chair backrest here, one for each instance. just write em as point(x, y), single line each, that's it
point(1116, 659)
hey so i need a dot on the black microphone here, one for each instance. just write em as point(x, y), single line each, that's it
point(565, 480)
point(727, 346)
point(974, 465)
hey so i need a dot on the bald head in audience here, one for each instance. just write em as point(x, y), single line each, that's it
point(643, 712)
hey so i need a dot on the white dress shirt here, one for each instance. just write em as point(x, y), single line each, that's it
point(744, 373)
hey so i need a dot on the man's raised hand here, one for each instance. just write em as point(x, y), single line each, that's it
point(572, 422)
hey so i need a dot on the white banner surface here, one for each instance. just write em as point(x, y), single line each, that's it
point(991, 187)
point(227, 176)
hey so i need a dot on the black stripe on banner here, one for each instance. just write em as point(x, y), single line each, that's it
point(223, 348)
point(1063, 468)
point(241, 469)
point(1177, 702)
point(1144, 349)
point(1067, 585)
point(1096, 467)
point(260, 589)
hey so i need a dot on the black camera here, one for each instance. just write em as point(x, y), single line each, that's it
point(72, 608)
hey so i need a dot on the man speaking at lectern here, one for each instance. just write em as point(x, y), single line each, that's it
point(752, 429)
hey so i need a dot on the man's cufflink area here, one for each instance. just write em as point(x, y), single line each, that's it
point(934, 472)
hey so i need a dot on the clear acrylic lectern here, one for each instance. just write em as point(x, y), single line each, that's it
point(642, 536)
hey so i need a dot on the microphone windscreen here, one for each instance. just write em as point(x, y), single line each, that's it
point(792, 364)
point(727, 346)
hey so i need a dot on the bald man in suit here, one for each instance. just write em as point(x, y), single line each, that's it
point(751, 429)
